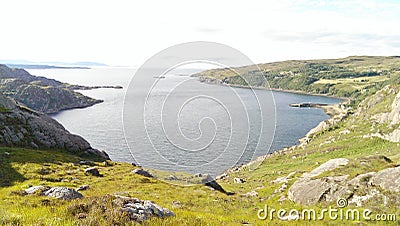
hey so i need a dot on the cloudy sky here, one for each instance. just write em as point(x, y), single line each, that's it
point(127, 33)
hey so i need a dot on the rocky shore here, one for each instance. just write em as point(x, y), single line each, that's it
point(23, 127)
point(42, 94)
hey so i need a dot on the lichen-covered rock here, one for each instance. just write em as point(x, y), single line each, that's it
point(356, 181)
point(327, 166)
point(140, 210)
point(393, 116)
point(309, 190)
point(387, 179)
point(36, 189)
point(63, 193)
point(324, 125)
point(389, 115)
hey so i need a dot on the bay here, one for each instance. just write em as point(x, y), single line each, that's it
point(102, 124)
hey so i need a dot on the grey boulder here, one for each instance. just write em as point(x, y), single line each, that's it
point(142, 172)
point(63, 193)
point(92, 171)
point(387, 179)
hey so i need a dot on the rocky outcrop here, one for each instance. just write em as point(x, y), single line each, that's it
point(54, 192)
point(128, 210)
point(327, 166)
point(23, 127)
point(63, 193)
point(322, 126)
point(309, 190)
point(140, 210)
point(388, 114)
point(387, 179)
point(35, 189)
point(40, 93)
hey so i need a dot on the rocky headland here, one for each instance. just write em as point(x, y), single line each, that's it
point(23, 127)
point(43, 94)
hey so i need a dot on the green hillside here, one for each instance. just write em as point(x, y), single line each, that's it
point(354, 77)
point(368, 137)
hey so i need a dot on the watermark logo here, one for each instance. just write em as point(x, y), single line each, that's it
point(340, 212)
point(172, 122)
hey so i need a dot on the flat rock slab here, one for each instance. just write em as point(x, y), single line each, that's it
point(35, 189)
point(306, 191)
point(309, 191)
point(387, 179)
point(327, 166)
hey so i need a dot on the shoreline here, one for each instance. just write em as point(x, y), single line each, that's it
point(332, 110)
point(345, 99)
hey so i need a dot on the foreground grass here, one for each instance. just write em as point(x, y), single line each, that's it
point(193, 205)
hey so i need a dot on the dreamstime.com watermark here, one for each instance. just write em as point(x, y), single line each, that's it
point(331, 213)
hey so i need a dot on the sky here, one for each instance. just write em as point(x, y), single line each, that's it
point(129, 32)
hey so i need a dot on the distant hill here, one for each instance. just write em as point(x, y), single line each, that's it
point(39, 66)
point(51, 64)
point(83, 64)
point(354, 77)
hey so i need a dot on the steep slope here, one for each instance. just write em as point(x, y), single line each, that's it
point(382, 110)
point(23, 127)
point(40, 93)
point(355, 159)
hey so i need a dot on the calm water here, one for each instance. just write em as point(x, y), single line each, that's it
point(210, 129)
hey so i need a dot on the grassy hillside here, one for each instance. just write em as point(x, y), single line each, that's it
point(354, 77)
point(358, 137)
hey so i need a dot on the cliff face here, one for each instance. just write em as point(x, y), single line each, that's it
point(23, 127)
point(40, 93)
